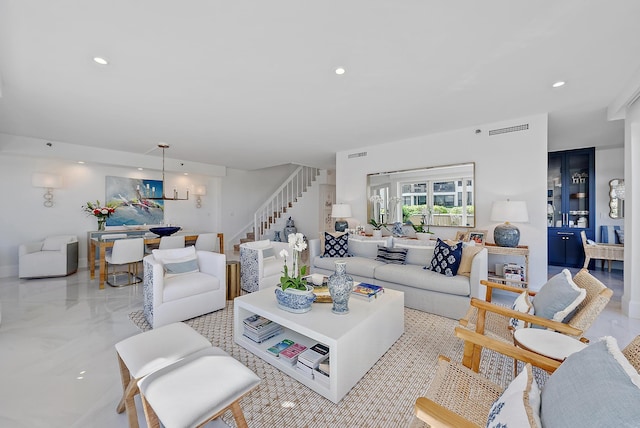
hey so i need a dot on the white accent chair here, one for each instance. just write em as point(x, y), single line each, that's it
point(168, 242)
point(54, 256)
point(261, 265)
point(125, 252)
point(173, 294)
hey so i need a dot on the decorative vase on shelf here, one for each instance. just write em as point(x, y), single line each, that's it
point(340, 287)
point(289, 229)
point(276, 237)
point(295, 301)
point(101, 223)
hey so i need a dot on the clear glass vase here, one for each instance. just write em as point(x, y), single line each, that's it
point(102, 223)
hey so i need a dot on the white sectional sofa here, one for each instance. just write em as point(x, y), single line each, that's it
point(424, 290)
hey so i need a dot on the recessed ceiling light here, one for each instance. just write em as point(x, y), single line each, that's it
point(340, 70)
point(558, 84)
point(100, 60)
point(140, 169)
point(81, 162)
point(186, 173)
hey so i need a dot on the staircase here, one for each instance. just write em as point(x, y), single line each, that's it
point(277, 204)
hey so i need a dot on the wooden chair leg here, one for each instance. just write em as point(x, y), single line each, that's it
point(125, 378)
point(149, 414)
point(238, 415)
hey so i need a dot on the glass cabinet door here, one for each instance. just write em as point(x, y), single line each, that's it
point(578, 184)
point(554, 192)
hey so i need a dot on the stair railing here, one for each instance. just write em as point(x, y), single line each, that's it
point(282, 199)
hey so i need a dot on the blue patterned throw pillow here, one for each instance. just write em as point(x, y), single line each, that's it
point(336, 246)
point(446, 258)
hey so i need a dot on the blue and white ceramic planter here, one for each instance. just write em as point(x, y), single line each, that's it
point(296, 301)
point(340, 287)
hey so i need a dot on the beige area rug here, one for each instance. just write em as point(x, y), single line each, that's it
point(384, 397)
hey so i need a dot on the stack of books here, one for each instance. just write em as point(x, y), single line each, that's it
point(279, 347)
point(259, 329)
point(322, 373)
point(290, 355)
point(366, 291)
point(513, 272)
point(310, 359)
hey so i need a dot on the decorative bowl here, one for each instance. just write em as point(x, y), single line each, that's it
point(164, 231)
point(296, 301)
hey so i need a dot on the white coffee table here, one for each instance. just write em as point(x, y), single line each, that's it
point(356, 340)
point(547, 342)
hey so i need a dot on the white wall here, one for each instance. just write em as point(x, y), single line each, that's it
point(511, 165)
point(609, 165)
point(23, 217)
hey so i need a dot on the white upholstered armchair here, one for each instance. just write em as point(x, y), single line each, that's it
point(261, 265)
point(183, 283)
point(54, 256)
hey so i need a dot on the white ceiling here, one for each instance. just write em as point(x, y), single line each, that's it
point(250, 84)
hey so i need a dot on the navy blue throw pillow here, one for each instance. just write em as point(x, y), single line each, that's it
point(336, 246)
point(446, 258)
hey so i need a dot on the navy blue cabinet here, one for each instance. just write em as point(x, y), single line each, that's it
point(570, 205)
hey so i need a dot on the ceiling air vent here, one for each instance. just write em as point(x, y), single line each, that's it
point(357, 155)
point(509, 129)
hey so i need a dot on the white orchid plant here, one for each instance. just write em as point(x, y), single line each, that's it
point(295, 280)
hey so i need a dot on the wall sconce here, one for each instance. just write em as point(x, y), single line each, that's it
point(200, 191)
point(340, 212)
point(49, 182)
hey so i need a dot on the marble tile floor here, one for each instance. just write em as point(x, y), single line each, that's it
point(57, 361)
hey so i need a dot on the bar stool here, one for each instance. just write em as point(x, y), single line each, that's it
point(147, 352)
point(196, 390)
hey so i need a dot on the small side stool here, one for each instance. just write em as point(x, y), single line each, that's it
point(147, 352)
point(196, 390)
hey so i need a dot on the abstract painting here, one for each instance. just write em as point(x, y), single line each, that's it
point(133, 204)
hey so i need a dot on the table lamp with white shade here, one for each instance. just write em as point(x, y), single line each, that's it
point(506, 234)
point(340, 212)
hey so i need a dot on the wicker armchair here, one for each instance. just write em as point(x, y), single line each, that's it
point(608, 252)
point(461, 398)
point(493, 321)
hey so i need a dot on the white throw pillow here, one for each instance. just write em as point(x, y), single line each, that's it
point(174, 253)
point(55, 243)
point(521, 304)
point(519, 404)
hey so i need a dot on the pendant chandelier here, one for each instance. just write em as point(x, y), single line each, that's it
point(164, 146)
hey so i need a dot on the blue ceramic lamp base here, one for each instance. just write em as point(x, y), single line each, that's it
point(506, 235)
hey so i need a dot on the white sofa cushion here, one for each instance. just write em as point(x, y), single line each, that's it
point(417, 277)
point(366, 247)
point(359, 266)
point(417, 254)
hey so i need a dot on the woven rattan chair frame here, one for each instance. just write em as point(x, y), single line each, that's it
point(460, 398)
point(494, 321)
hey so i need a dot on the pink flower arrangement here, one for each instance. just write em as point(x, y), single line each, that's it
point(98, 211)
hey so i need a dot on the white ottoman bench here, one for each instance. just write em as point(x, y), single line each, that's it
point(147, 352)
point(196, 390)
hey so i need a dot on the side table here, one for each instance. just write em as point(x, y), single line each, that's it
point(233, 279)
